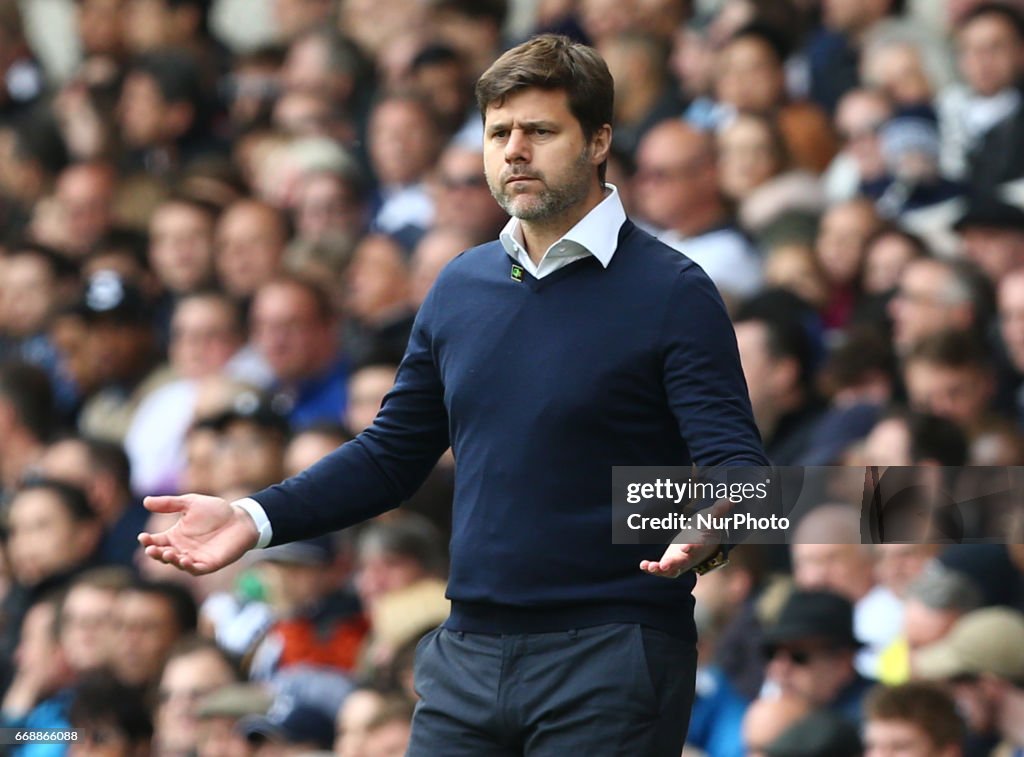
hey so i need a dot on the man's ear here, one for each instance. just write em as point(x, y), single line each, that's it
point(601, 145)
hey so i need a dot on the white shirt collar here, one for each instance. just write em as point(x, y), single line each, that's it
point(597, 233)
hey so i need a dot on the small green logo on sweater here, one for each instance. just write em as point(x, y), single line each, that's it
point(517, 273)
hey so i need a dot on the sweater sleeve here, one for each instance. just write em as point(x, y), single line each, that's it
point(703, 377)
point(383, 466)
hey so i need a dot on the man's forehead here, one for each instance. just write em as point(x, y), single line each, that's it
point(531, 103)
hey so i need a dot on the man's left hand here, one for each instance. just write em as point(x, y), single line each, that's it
point(678, 559)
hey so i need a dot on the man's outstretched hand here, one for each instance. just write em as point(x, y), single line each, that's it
point(210, 533)
point(678, 559)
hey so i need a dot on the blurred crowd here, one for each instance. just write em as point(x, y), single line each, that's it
point(212, 249)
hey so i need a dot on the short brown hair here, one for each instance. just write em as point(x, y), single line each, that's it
point(554, 62)
point(921, 704)
point(950, 348)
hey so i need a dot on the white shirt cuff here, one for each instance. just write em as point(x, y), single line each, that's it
point(259, 518)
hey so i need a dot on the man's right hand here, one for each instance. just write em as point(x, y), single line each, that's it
point(210, 533)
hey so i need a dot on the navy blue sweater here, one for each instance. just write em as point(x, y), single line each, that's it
point(540, 387)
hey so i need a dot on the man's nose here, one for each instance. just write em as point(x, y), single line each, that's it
point(517, 148)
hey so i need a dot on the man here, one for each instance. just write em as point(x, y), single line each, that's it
point(931, 297)
point(294, 329)
point(148, 619)
point(101, 470)
point(195, 667)
point(250, 241)
point(992, 234)
point(535, 431)
point(677, 192)
point(982, 659)
point(915, 719)
point(810, 651)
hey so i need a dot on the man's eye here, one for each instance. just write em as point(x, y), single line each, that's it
point(542, 132)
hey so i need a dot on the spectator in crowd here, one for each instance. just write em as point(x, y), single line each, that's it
point(433, 252)
point(250, 241)
point(913, 717)
point(404, 141)
point(121, 347)
point(206, 336)
point(461, 198)
point(294, 329)
point(181, 244)
point(84, 195)
point(195, 667)
point(844, 230)
point(1011, 331)
point(312, 443)
point(982, 658)
point(931, 297)
point(149, 618)
point(934, 601)
point(982, 117)
point(859, 117)
point(913, 438)
point(50, 533)
point(367, 387)
point(992, 234)
point(378, 300)
point(949, 374)
point(646, 96)
point(395, 554)
point(834, 52)
point(358, 710)
point(160, 113)
point(26, 421)
point(810, 651)
point(777, 362)
point(250, 442)
point(85, 617)
point(439, 74)
point(288, 727)
point(110, 716)
point(677, 193)
point(828, 555)
point(39, 695)
point(101, 469)
point(314, 622)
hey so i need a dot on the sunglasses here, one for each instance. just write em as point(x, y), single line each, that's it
point(800, 657)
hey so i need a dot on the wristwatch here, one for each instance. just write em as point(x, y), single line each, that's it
point(718, 559)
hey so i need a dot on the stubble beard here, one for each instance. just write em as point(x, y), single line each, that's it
point(553, 200)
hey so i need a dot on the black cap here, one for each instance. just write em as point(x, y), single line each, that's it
point(269, 412)
point(109, 297)
point(985, 211)
point(289, 722)
point(814, 615)
point(820, 734)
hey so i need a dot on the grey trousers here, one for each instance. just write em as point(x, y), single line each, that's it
point(618, 689)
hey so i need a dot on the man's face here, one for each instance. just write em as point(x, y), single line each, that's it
point(142, 112)
point(181, 246)
point(675, 171)
point(403, 140)
point(462, 199)
point(844, 228)
point(250, 242)
point(43, 539)
point(959, 394)
point(810, 670)
point(203, 337)
point(749, 76)
point(377, 279)
point(28, 293)
point(537, 161)
point(990, 54)
point(145, 629)
point(888, 444)
point(186, 679)
point(921, 305)
point(899, 738)
point(86, 625)
point(288, 331)
point(859, 116)
point(834, 567)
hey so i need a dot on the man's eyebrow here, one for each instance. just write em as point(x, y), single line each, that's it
point(527, 125)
